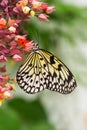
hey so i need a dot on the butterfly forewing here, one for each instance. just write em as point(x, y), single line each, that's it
point(43, 70)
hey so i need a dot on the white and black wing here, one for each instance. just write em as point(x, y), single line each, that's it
point(31, 76)
point(43, 70)
point(60, 77)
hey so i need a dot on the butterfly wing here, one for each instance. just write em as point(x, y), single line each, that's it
point(43, 70)
point(31, 75)
point(60, 78)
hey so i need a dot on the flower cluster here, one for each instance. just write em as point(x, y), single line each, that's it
point(11, 43)
point(26, 9)
point(13, 39)
point(5, 85)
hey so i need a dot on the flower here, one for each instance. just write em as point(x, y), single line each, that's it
point(12, 22)
point(5, 88)
point(21, 4)
point(26, 9)
point(4, 3)
point(12, 29)
point(3, 58)
point(43, 17)
point(6, 78)
point(22, 41)
point(36, 4)
point(44, 6)
point(2, 23)
point(3, 50)
point(29, 46)
point(17, 58)
point(3, 68)
point(50, 9)
point(1, 78)
point(32, 13)
point(5, 93)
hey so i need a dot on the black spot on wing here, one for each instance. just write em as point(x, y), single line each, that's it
point(52, 60)
point(30, 65)
point(54, 74)
point(44, 65)
point(59, 67)
point(41, 58)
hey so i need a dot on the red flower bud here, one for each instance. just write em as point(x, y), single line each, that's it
point(44, 6)
point(23, 41)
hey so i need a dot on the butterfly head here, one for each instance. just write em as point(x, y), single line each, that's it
point(36, 47)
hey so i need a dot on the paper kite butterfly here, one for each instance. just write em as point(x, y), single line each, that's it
point(42, 70)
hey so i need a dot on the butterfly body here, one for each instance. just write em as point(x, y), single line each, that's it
point(42, 70)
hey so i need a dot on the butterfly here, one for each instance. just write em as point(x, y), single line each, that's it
point(42, 70)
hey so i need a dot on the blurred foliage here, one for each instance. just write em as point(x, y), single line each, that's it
point(9, 120)
point(24, 115)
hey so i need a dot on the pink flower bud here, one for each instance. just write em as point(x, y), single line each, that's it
point(29, 46)
point(3, 58)
point(43, 17)
point(50, 9)
point(30, 1)
point(2, 90)
point(17, 58)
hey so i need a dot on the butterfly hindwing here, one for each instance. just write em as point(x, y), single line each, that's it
point(31, 76)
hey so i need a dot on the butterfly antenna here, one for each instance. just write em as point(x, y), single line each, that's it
point(37, 37)
point(37, 40)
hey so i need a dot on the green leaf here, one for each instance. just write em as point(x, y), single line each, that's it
point(9, 120)
point(32, 114)
point(42, 126)
point(29, 111)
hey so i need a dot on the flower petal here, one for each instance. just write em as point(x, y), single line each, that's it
point(50, 9)
point(3, 58)
point(43, 17)
point(17, 58)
